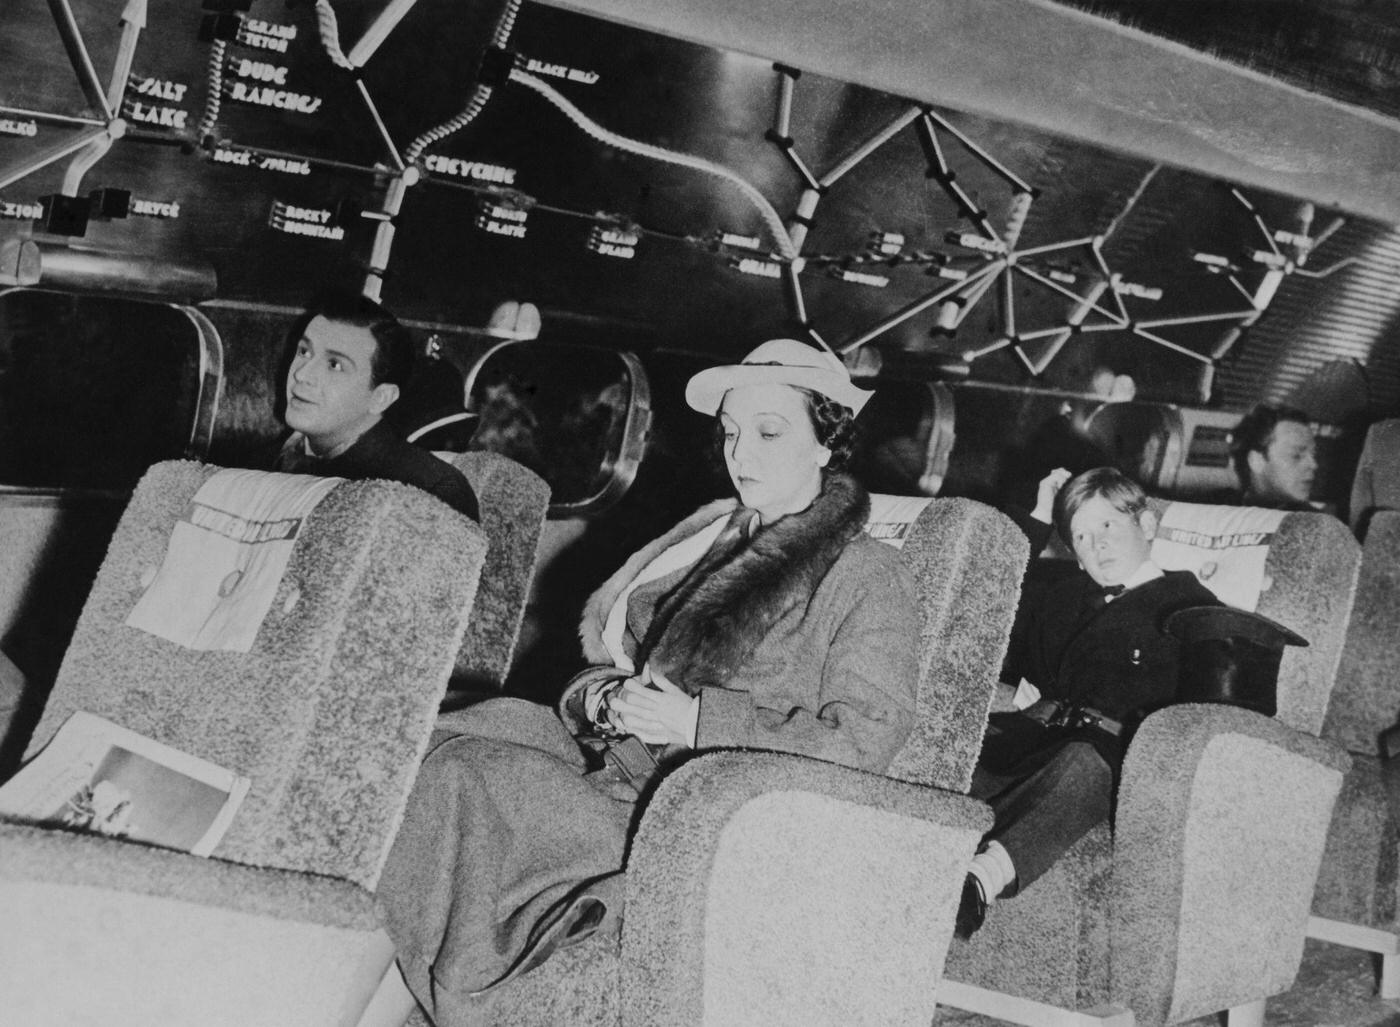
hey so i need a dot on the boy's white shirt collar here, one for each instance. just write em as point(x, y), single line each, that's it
point(1147, 571)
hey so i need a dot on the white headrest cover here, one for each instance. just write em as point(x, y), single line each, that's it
point(1226, 547)
point(226, 557)
point(892, 516)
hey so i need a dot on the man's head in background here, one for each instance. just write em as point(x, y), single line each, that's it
point(1275, 456)
point(350, 359)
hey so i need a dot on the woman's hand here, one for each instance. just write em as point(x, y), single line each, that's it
point(663, 715)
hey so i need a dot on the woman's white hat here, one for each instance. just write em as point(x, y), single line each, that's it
point(780, 361)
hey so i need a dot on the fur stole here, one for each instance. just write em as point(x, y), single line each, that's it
point(732, 610)
point(596, 609)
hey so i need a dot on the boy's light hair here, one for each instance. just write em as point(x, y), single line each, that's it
point(1121, 492)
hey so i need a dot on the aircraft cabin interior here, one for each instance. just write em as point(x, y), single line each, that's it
point(1045, 235)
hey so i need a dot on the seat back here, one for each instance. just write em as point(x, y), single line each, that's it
point(1221, 824)
point(1376, 485)
point(329, 709)
point(1299, 569)
point(47, 543)
point(514, 501)
point(968, 560)
point(1366, 700)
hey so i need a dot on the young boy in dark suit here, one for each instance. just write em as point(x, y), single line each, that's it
point(1095, 649)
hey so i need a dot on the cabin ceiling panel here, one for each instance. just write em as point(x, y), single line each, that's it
point(1317, 327)
point(1060, 70)
point(1346, 49)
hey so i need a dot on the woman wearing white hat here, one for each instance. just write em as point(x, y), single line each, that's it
point(770, 622)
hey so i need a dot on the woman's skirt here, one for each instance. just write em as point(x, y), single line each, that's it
point(507, 844)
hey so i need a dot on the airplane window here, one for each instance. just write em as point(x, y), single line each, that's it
point(576, 415)
point(95, 390)
point(905, 437)
point(1210, 446)
point(1143, 440)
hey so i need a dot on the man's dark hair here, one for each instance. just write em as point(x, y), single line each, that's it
point(1256, 430)
point(392, 361)
point(1121, 492)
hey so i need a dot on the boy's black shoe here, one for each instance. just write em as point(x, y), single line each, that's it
point(972, 909)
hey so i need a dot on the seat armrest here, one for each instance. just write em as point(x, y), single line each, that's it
point(39, 855)
point(1222, 818)
point(98, 930)
point(856, 877)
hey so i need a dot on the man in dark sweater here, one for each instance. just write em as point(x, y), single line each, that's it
point(1094, 651)
point(351, 360)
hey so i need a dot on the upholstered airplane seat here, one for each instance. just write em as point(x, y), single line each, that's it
point(769, 888)
point(298, 631)
point(513, 501)
point(1356, 899)
point(1197, 901)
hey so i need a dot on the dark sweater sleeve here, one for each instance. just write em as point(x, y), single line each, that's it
point(453, 489)
point(405, 462)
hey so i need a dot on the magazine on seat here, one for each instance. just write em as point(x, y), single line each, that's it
point(98, 776)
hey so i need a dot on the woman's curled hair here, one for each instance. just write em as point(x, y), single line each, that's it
point(835, 425)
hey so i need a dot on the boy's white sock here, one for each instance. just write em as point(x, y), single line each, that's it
point(993, 869)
